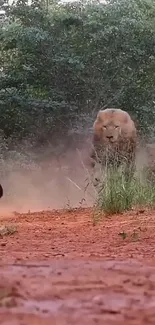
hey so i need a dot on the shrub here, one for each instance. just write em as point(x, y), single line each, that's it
point(116, 195)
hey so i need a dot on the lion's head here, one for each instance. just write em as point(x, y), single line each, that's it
point(114, 138)
point(113, 124)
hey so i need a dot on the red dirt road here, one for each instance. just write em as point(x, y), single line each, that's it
point(62, 268)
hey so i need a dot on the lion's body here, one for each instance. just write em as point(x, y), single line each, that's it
point(114, 138)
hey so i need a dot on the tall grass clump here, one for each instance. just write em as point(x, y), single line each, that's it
point(116, 193)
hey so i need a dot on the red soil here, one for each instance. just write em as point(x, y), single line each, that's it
point(62, 268)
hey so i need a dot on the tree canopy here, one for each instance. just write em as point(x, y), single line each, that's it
point(60, 63)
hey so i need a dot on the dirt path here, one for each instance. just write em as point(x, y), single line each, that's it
point(62, 268)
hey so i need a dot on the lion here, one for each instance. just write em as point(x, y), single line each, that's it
point(114, 139)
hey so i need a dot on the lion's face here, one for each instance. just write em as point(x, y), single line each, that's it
point(111, 131)
point(111, 125)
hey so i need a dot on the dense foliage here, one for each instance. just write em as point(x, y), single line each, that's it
point(60, 63)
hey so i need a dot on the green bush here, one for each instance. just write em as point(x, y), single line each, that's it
point(116, 195)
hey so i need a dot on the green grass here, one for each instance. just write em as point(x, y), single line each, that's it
point(116, 195)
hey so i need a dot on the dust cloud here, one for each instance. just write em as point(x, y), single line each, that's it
point(55, 182)
point(43, 181)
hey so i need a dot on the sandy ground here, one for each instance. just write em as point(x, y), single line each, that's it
point(62, 267)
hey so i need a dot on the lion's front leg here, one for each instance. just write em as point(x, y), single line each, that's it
point(130, 168)
point(94, 158)
point(98, 164)
point(128, 154)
